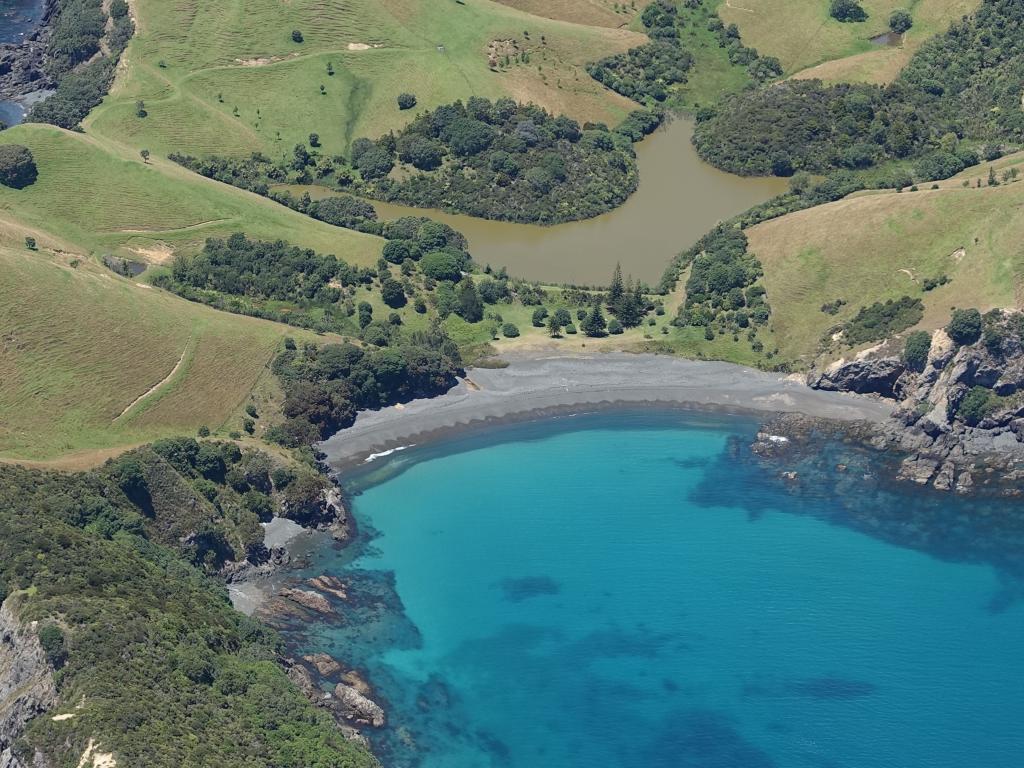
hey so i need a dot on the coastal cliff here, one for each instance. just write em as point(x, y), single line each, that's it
point(22, 64)
point(959, 395)
point(26, 685)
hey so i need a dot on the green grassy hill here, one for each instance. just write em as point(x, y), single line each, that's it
point(876, 246)
point(81, 345)
point(109, 204)
point(809, 42)
point(230, 80)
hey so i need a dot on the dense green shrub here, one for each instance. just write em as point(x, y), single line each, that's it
point(964, 82)
point(846, 10)
point(82, 76)
point(17, 166)
point(51, 638)
point(324, 388)
point(978, 403)
point(644, 72)
point(964, 326)
point(882, 320)
point(916, 349)
point(900, 21)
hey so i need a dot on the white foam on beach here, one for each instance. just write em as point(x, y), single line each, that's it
point(382, 454)
point(777, 439)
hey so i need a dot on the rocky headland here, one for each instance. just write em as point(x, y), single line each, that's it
point(958, 397)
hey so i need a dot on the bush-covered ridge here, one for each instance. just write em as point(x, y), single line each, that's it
point(150, 649)
point(962, 85)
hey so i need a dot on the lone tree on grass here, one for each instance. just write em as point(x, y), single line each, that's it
point(847, 10)
point(296, 36)
point(406, 101)
point(144, 153)
point(17, 166)
point(900, 21)
point(554, 327)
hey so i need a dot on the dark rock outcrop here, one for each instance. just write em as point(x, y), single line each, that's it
point(26, 684)
point(22, 64)
point(863, 376)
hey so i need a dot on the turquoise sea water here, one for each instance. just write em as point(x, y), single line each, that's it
point(633, 589)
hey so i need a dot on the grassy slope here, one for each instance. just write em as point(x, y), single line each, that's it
point(108, 204)
point(243, 53)
point(803, 36)
point(81, 344)
point(597, 13)
point(871, 247)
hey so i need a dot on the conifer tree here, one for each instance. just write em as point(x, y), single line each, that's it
point(594, 324)
point(616, 291)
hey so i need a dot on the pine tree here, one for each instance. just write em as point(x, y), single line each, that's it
point(594, 324)
point(616, 291)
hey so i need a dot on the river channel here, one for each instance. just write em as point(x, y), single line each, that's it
point(680, 198)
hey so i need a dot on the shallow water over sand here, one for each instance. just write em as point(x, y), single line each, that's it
point(633, 589)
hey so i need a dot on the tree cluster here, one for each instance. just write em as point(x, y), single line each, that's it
point(325, 387)
point(883, 319)
point(501, 160)
point(722, 289)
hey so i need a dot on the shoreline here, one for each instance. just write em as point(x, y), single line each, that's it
point(543, 386)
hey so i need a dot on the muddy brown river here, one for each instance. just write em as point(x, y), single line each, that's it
point(680, 198)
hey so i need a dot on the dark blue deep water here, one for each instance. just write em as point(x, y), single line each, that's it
point(635, 589)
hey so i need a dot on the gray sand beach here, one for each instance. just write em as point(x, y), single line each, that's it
point(535, 385)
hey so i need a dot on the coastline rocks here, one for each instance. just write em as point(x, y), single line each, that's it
point(324, 512)
point(355, 707)
point(22, 65)
point(349, 700)
point(259, 566)
point(26, 683)
point(314, 601)
point(944, 441)
point(863, 376)
point(330, 585)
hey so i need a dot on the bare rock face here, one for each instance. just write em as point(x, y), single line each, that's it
point(356, 707)
point(864, 376)
point(330, 585)
point(26, 683)
point(314, 601)
point(325, 665)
